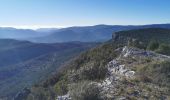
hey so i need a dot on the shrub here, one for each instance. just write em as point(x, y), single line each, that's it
point(96, 72)
point(153, 45)
point(39, 93)
point(61, 87)
point(145, 78)
point(136, 43)
point(157, 72)
point(164, 49)
point(84, 90)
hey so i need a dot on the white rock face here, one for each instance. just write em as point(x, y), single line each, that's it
point(115, 72)
point(130, 74)
point(64, 97)
point(115, 68)
point(127, 51)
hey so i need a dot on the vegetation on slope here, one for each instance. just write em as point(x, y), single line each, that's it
point(152, 81)
point(88, 66)
point(141, 37)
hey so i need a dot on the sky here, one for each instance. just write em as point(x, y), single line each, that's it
point(65, 13)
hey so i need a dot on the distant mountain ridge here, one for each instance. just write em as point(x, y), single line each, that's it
point(83, 33)
point(90, 33)
point(18, 33)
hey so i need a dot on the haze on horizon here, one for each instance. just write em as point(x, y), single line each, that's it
point(33, 14)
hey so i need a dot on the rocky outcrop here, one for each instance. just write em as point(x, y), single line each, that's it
point(118, 70)
point(114, 68)
point(64, 97)
point(135, 52)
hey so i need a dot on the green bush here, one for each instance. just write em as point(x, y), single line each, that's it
point(61, 87)
point(164, 49)
point(39, 93)
point(136, 43)
point(157, 73)
point(96, 71)
point(153, 45)
point(84, 90)
point(145, 79)
point(159, 47)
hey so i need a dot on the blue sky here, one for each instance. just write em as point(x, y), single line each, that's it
point(63, 13)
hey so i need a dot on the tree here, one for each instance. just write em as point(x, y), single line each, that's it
point(136, 43)
point(153, 45)
point(85, 90)
point(164, 49)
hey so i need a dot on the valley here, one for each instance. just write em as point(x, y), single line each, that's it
point(25, 63)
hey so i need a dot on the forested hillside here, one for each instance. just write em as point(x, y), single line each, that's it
point(24, 63)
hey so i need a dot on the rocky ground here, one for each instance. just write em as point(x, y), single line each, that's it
point(122, 70)
point(122, 81)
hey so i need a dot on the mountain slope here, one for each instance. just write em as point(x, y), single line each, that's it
point(113, 70)
point(25, 63)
